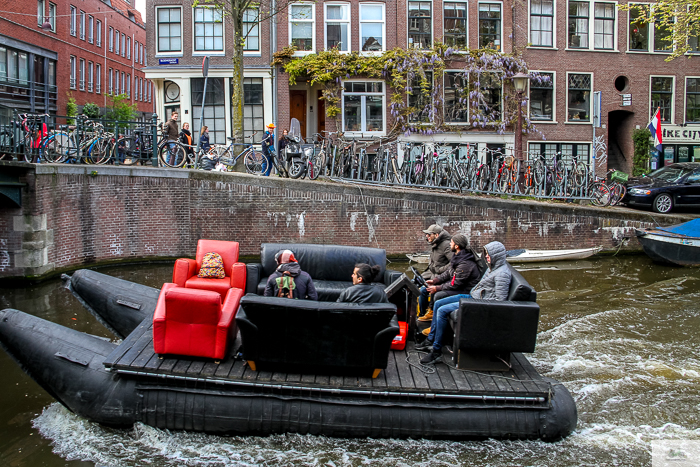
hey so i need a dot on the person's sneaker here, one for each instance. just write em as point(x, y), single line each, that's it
point(425, 332)
point(425, 345)
point(427, 317)
point(433, 357)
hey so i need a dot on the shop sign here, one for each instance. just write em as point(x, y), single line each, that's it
point(168, 61)
point(626, 99)
point(680, 134)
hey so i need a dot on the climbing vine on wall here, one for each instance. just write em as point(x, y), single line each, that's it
point(413, 77)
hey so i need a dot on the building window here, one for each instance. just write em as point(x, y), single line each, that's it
point(91, 29)
point(692, 100)
point(662, 97)
point(169, 30)
point(98, 33)
point(542, 23)
point(420, 98)
point(73, 20)
point(455, 17)
point(363, 107)
point(82, 25)
point(123, 83)
point(372, 27)
point(98, 78)
point(251, 29)
point(639, 28)
point(604, 26)
point(567, 151)
point(116, 42)
point(128, 48)
point(420, 33)
point(123, 45)
point(663, 41)
point(40, 11)
point(578, 25)
point(52, 16)
point(491, 87)
point(111, 81)
point(490, 26)
point(542, 97)
point(72, 72)
point(111, 39)
point(128, 85)
point(214, 108)
point(301, 27)
point(90, 76)
point(338, 27)
point(81, 84)
point(579, 98)
point(208, 30)
point(253, 108)
point(455, 103)
point(136, 51)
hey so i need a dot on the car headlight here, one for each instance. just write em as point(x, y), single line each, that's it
point(640, 192)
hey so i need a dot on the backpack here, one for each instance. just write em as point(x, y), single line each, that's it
point(285, 285)
point(212, 267)
point(480, 263)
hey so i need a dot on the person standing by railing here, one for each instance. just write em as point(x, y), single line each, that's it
point(172, 132)
point(268, 147)
point(204, 139)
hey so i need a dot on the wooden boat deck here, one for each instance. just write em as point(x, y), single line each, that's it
point(522, 385)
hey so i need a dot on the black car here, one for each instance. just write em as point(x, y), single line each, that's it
point(665, 188)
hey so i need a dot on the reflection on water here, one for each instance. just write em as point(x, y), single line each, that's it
point(621, 333)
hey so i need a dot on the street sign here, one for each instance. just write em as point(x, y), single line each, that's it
point(168, 61)
point(205, 66)
point(626, 99)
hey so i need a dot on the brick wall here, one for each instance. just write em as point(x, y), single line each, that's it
point(72, 217)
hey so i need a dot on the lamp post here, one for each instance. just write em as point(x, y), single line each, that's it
point(520, 81)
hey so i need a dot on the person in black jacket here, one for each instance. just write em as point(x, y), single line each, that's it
point(288, 266)
point(362, 290)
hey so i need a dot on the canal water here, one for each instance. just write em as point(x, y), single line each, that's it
point(622, 334)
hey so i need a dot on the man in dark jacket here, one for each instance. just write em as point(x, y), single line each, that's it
point(440, 256)
point(460, 276)
point(170, 130)
point(302, 285)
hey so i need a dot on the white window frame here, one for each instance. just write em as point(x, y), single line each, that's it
point(90, 76)
point(501, 104)
point(111, 39)
point(169, 53)
point(123, 45)
point(82, 25)
point(591, 27)
point(554, 27)
point(673, 97)
point(590, 98)
point(128, 85)
point(383, 22)
point(52, 16)
point(432, 22)
point(252, 25)
point(111, 81)
point(128, 48)
point(98, 78)
point(81, 83)
point(40, 12)
point(444, 106)
point(363, 123)
point(409, 96)
point(466, 21)
point(478, 28)
point(73, 20)
point(554, 98)
point(213, 52)
point(291, 20)
point(91, 29)
point(348, 22)
point(73, 71)
point(116, 42)
point(98, 33)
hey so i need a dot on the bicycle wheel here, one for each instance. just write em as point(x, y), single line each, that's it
point(579, 174)
point(128, 150)
point(297, 168)
point(527, 180)
point(599, 193)
point(617, 192)
point(172, 154)
point(57, 148)
point(538, 173)
point(315, 167)
point(255, 163)
point(504, 181)
point(483, 178)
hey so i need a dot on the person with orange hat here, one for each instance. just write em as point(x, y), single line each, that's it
point(268, 147)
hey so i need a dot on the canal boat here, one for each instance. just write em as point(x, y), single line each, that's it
point(677, 244)
point(529, 256)
point(121, 384)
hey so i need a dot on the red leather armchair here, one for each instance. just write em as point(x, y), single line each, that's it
point(186, 270)
point(194, 322)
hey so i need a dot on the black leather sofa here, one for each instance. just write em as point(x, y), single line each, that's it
point(486, 332)
point(330, 266)
point(306, 336)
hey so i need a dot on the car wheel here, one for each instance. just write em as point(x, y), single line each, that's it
point(663, 203)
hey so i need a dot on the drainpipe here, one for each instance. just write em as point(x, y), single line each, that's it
point(273, 49)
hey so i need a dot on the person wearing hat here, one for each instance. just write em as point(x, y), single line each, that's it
point(458, 279)
point(289, 280)
point(268, 146)
point(493, 286)
point(440, 256)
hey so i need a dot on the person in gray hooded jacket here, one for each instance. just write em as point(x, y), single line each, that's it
point(494, 285)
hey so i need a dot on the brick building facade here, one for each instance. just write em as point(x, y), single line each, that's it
point(87, 49)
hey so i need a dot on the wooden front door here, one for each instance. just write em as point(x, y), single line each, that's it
point(297, 103)
point(321, 106)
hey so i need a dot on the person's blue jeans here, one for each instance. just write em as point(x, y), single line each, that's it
point(267, 164)
point(423, 299)
point(171, 152)
point(441, 317)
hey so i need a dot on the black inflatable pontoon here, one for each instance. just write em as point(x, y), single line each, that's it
point(120, 385)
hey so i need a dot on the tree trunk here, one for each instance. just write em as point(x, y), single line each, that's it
point(237, 79)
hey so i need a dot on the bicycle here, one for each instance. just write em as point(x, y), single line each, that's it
point(254, 162)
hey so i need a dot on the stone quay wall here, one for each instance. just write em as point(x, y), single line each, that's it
point(78, 216)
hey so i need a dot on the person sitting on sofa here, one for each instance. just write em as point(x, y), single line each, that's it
point(290, 279)
point(461, 275)
point(362, 290)
point(440, 257)
point(493, 286)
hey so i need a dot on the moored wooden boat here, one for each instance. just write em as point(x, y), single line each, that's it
point(421, 258)
point(677, 244)
point(537, 256)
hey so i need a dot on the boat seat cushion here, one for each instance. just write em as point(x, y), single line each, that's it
point(328, 291)
point(519, 289)
point(316, 337)
point(219, 286)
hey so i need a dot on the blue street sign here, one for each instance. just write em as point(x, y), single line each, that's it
point(168, 61)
